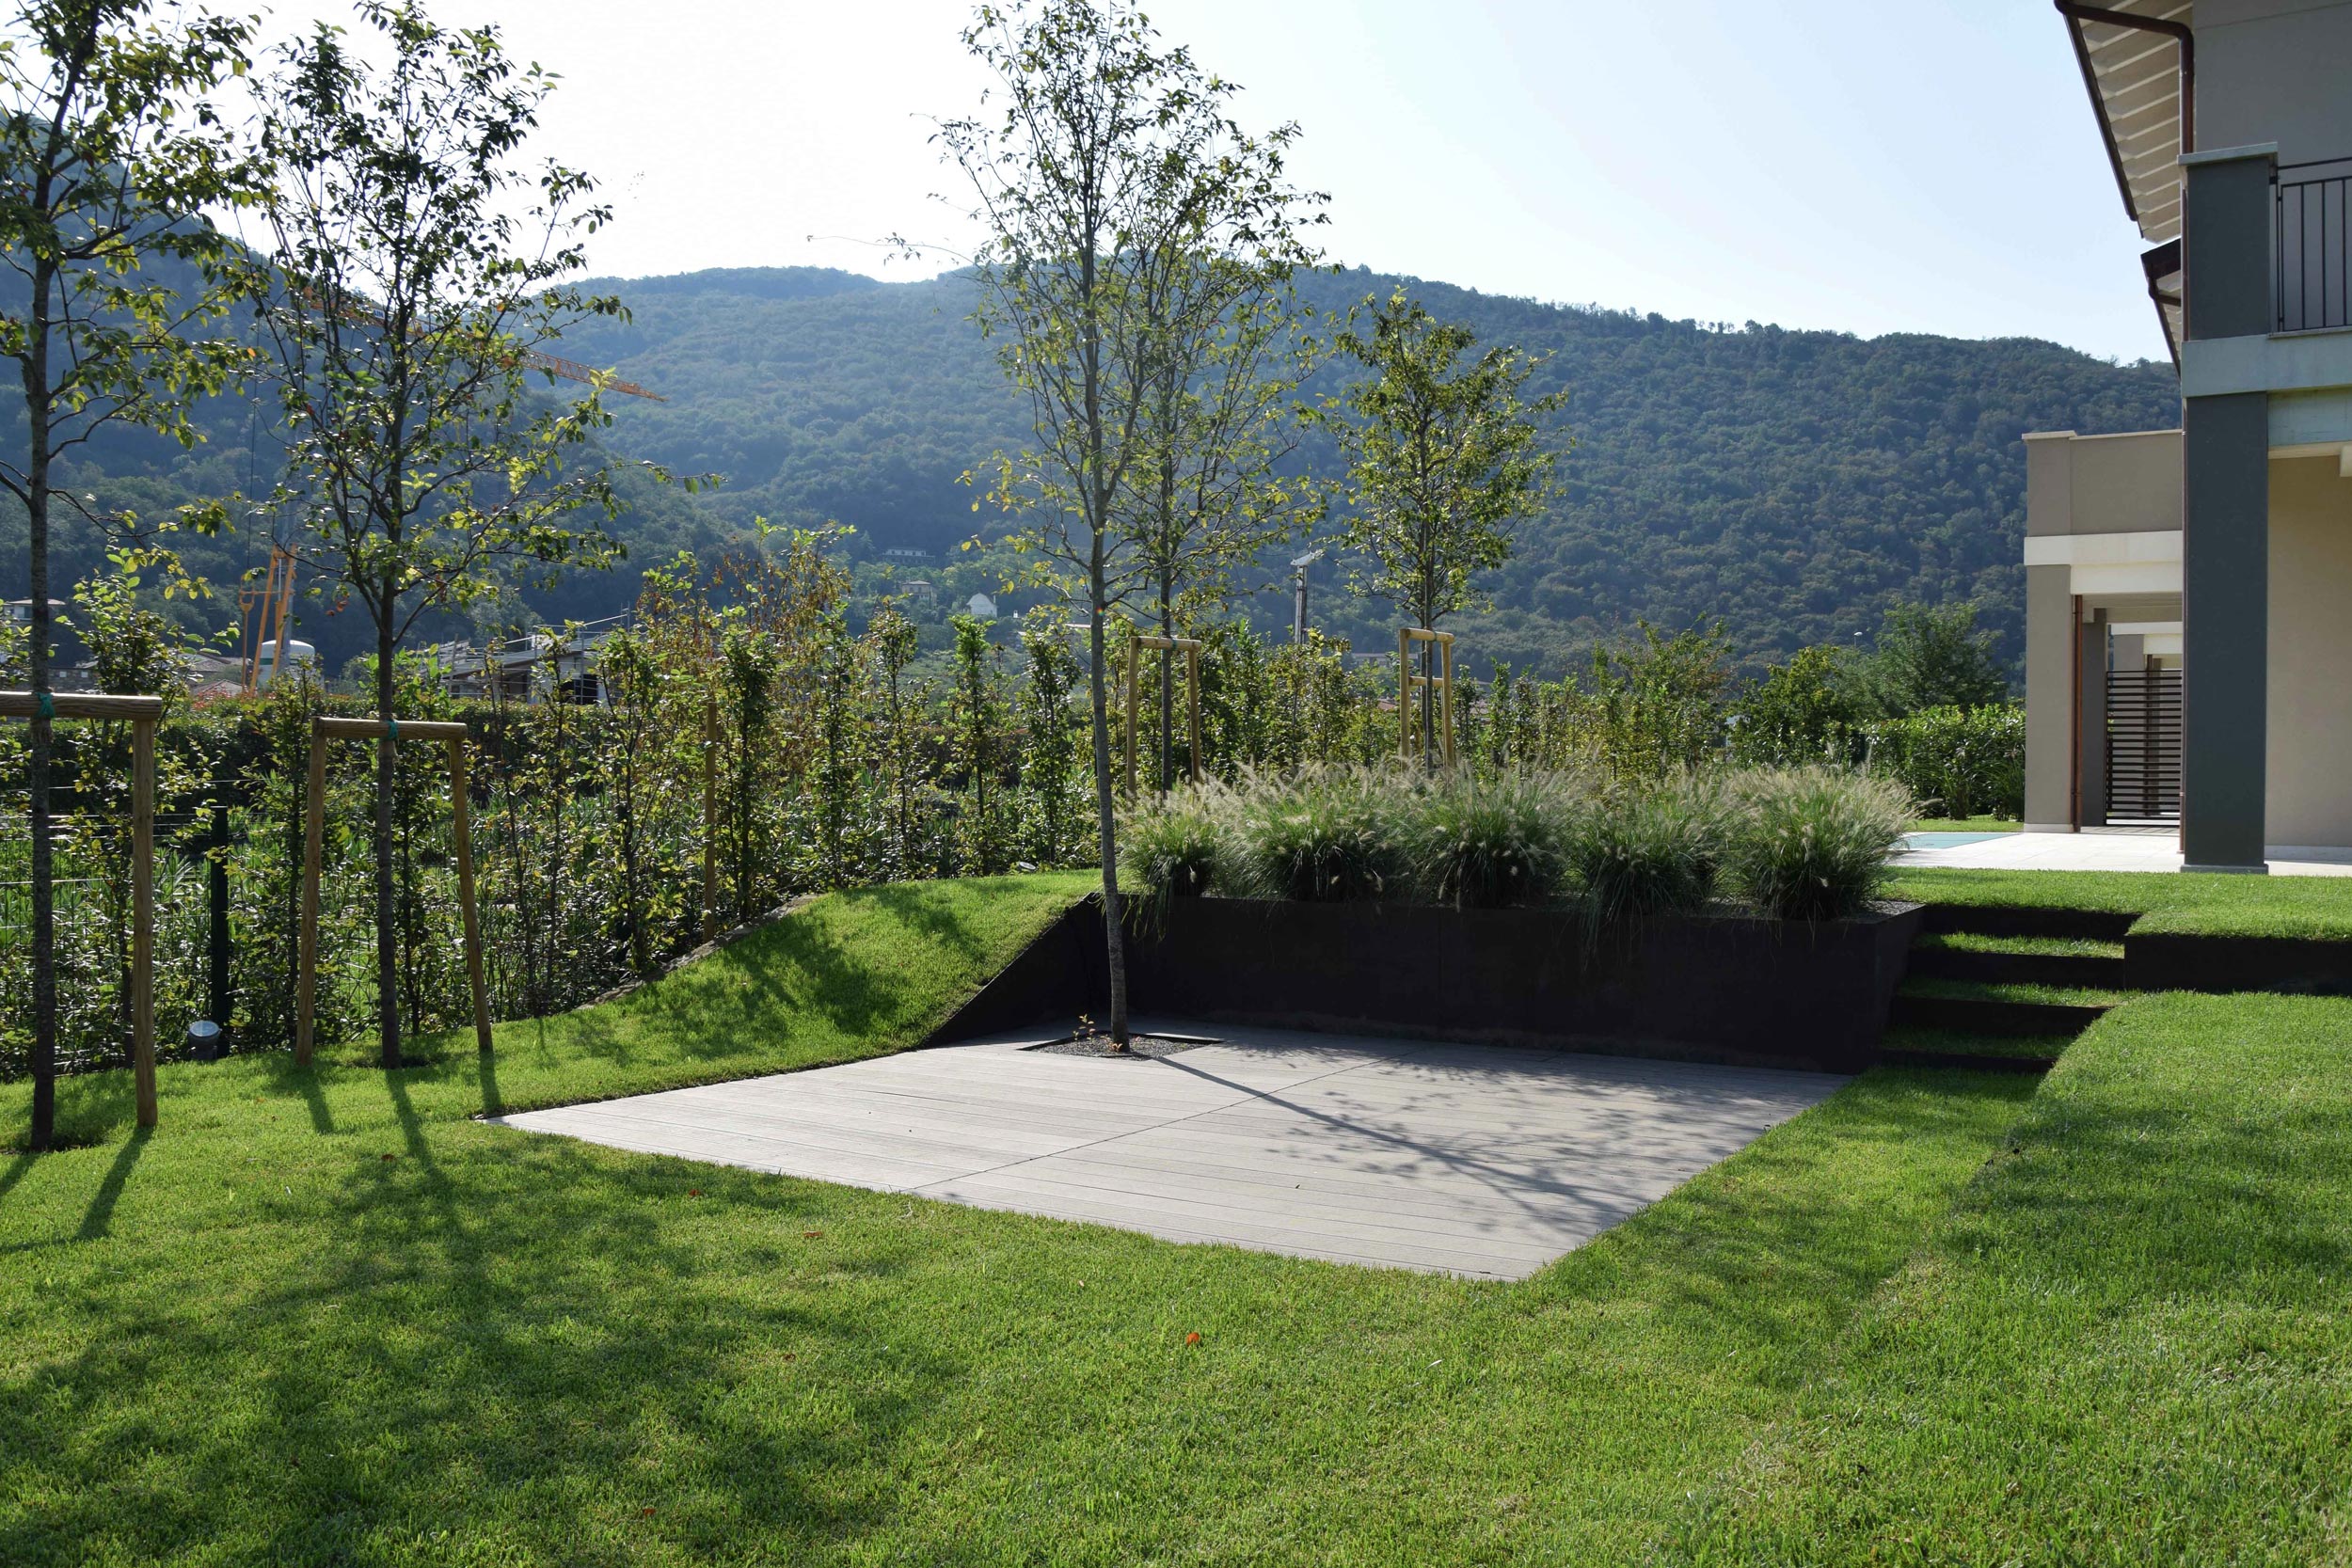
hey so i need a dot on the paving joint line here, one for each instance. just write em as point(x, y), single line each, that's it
point(1246, 1095)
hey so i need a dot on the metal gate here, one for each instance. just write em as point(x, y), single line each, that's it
point(2143, 746)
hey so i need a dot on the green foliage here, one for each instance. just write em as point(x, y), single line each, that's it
point(1325, 834)
point(978, 750)
point(1807, 711)
point(1815, 840)
point(1653, 849)
point(1178, 844)
point(1956, 761)
point(1054, 771)
point(1442, 457)
point(1931, 655)
point(1657, 702)
point(1488, 842)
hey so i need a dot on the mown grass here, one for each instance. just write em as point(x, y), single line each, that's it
point(2011, 990)
point(2197, 903)
point(2128, 1343)
point(1978, 942)
point(327, 1316)
point(1950, 1043)
point(854, 975)
point(1964, 825)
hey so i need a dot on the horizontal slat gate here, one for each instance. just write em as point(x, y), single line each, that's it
point(2143, 746)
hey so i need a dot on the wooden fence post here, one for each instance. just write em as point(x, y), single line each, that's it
point(463, 832)
point(313, 842)
point(143, 916)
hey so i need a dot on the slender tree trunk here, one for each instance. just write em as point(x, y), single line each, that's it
point(387, 764)
point(1168, 689)
point(1428, 704)
point(1114, 936)
point(38, 407)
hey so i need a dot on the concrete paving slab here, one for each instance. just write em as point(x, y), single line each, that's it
point(2113, 849)
point(1481, 1161)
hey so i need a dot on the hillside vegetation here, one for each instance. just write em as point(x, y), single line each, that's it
point(1791, 484)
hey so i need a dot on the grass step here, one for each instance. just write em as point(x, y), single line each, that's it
point(2020, 920)
point(1981, 1007)
point(2066, 962)
point(1922, 1047)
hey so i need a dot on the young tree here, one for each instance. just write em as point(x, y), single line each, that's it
point(1442, 459)
point(414, 263)
point(1108, 152)
point(1931, 655)
point(113, 153)
point(1225, 349)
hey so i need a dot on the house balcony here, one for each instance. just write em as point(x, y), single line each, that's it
point(2311, 240)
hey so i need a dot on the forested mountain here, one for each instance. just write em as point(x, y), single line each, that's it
point(1790, 483)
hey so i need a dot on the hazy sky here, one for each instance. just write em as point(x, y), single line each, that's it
point(1871, 165)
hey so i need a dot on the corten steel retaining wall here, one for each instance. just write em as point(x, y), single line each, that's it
point(1722, 988)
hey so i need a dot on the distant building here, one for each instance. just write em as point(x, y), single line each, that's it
point(918, 589)
point(902, 554)
point(980, 607)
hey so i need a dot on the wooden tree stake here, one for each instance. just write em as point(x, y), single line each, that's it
point(324, 729)
point(461, 828)
point(143, 916)
point(143, 713)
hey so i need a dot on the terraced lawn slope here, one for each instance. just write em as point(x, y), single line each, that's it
point(329, 1317)
point(2128, 1343)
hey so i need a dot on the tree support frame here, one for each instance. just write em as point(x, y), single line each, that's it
point(453, 734)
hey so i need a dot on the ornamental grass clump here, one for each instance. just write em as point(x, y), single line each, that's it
point(1329, 834)
point(1813, 843)
point(1486, 844)
point(1649, 849)
point(1175, 847)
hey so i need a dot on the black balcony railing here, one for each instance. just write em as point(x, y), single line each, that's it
point(2314, 287)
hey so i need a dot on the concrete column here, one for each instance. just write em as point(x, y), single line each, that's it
point(2090, 728)
point(2225, 625)
point(2225, 519)
point(2049, 639)
point(2049, 701)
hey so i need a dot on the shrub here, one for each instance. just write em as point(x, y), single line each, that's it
point(1812, 843)
point(1332, 833)
point(1488, 842)
point(1961, 761)
point(1649, 849)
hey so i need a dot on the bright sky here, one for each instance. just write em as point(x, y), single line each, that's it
point(1871, 165)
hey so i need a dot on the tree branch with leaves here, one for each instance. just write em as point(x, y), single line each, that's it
point(1442, 456)
point(413, 261)
point(1099, 152)
point(114, 152)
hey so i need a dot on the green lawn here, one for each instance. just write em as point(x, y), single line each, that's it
point(1965, 825)
point(1977, 942)
point(2011, 990)
point(2202, 903)
point(2128, 1343)
point(329, 1317)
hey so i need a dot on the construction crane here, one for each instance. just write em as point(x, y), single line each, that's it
point(275, 600)
point(572, 369)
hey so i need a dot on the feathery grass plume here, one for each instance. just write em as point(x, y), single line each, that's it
point(1328, 834)
point(1813, 843)
point(1483, 843)
point(1176, 846)
point(1648, 850)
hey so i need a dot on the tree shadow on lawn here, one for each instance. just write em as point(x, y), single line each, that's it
point(522, 1340)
